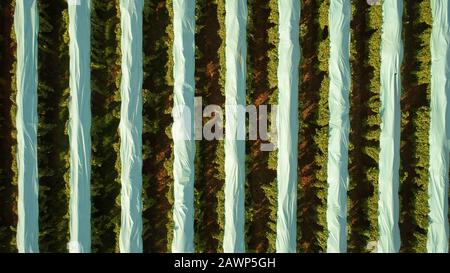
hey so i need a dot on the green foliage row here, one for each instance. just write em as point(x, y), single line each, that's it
point(250, 91)
point(373, 121)
point(200, 86)
point(155, 95)
point(168, 163)
point(105, 178)
point(360, 188)
point(313, 130)
point(422, 123)
point(220, 151)
point(53, 70)
point(413, 187)
point(8, 180)
point(260, 213)
point(272, 66)
point(14, 180)
point(321, 137)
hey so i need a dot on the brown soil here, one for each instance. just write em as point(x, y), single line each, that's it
point(258, 173)
point(207, 73)
point(156, 179)
point(308, 202)
point(105, 185)
point(414, 96)
point(360, 188)
point(51, 138)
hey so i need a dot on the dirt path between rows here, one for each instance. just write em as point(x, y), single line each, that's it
point(360, 187)
point(311, 79)
point(258, 173)
point(105, 72)
point(158, 144)
point(207, 72)
point(52, 141)
point(413, 97)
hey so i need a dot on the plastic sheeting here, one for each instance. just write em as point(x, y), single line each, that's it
point(130, 126)
point(388, 180)
point(183, 125)
point(287, 124)
point(438, 230)
point(26, 24)
point(235, 85)
point(338, 103)
point(80, 126)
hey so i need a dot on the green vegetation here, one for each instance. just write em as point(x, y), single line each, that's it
point(415, 125)
point(105, 181)
point(53, 144)
point(313, 134)
point(207, 84)
point(270, 189)
point(156, 148)
point(168, 110)
point(321, 137)
point(262, 65)
point(220, 150)
point(372, 134)
point(8, 178)
point(360, 164)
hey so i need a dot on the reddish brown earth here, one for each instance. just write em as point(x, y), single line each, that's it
point(156, 178)
point(207, 73)
point(413, 97)
point(360, 186)
point(311, 79)
point(258, 173)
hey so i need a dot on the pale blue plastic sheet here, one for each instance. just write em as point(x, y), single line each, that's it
point(130, 127)
point(183, 125)
point(235, 84)
point(338, 103)
point(287, 124)
point(438, 230)
point(389, 162)
point(26, 25)
point(80, 126)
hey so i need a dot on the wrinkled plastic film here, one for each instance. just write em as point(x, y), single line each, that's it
point(338, 103)
point(79, 127)
point(235, 85)
point(26, 25)
point(287, 123)
point(130, 127)
point(389, 162)
point(438, 230)
point(183, 125)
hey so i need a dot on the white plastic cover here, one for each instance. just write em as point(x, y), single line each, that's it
point(26, 25)
point(183, 125)
point(389, 162)
point(130, 127)
point(338, 103)
point(287, 124)
point(80, 127)
point(235, 85)
point(438, 230)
